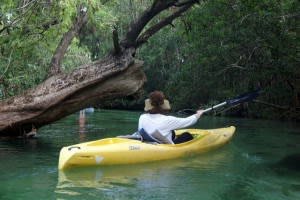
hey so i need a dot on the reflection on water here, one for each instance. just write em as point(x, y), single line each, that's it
point(260, 163)
point(81, 126)
point(165, 176)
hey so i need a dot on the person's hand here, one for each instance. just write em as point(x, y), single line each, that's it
point(199, 113)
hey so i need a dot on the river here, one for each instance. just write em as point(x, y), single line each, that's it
point(262, 162)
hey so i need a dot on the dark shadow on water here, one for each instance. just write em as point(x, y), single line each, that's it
point(288, 168)
point(238, 190)
point(291, 162)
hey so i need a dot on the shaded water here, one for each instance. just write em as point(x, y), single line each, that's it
point(261, 162)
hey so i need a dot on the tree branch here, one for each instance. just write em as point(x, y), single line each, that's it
point(271, 104)
point(23, 10)
point(80, 20)
point(137, 26)
point(117, 47)
point(165, 21)
point(8, 64)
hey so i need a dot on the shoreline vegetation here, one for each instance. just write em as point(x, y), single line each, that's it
point(244, 110)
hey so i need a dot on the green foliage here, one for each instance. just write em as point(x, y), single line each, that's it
point(238, 46)
point(76, 55)
point(97, 34)
point(29, 34)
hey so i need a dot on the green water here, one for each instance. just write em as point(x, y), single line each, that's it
point(261, 162)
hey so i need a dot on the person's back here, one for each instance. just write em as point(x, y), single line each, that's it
point(155, 119)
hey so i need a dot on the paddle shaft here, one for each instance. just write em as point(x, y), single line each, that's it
point(215, 106)
point(239, 99)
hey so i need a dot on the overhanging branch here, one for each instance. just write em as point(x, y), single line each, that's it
point(132, 38)
point(165, 21)
point(137, 26)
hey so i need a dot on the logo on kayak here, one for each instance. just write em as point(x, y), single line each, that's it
point(98, 159)
point(133, 147)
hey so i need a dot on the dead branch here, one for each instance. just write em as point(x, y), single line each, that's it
point(271, 104)
point(117, 47)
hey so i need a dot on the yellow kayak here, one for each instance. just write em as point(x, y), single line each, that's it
point(115, 151)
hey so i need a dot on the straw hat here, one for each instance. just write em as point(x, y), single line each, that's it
point(149, 106)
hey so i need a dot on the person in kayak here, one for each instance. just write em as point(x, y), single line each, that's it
point(155, 120)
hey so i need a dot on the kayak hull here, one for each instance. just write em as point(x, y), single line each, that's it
point(116, 151)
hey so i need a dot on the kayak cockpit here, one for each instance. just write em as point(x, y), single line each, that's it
point(108, 141)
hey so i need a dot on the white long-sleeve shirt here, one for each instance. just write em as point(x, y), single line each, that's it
point(164, 124)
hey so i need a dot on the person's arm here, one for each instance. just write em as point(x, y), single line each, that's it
point(177, 123)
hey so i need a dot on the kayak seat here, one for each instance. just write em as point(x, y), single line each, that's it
point(155, 137)
point(163, 139)
point(147, 137)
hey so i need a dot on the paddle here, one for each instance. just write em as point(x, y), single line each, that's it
point(239, 99)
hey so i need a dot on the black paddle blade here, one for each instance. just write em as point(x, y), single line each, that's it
point(244, 97)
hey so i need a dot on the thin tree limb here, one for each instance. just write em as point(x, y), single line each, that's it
point(80, 20)
point(271, 104)
point(8, 64)
point(117, 47)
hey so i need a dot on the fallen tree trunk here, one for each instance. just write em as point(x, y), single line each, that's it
point(61, 95)
point(118, 74)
